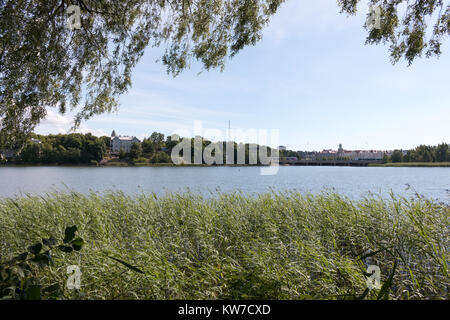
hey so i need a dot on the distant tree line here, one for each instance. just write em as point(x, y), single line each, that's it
point(422, 153)
point(75, 148)
point(158, 149)
point(154, 149)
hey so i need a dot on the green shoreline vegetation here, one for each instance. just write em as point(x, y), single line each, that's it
point(147, 164)
point(88, 150)
point(155, 151)
point(237, 245)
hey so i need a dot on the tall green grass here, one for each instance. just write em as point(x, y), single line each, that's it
point(238, 246)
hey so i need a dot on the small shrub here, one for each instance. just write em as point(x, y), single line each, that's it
point(17, 280)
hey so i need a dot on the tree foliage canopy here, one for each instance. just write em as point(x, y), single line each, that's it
point(404, 25)
point(43, 63)
point(72, 148)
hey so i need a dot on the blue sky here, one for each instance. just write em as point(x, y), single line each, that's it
point(311, 77)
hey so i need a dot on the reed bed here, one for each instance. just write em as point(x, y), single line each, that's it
point(236, 245)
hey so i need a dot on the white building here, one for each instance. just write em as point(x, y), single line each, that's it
point(362, 154)
point(122, 142)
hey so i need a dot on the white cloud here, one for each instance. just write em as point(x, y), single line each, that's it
point(57, 123)
point(54, 122)
point(96, 132)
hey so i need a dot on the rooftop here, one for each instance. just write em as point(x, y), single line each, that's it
point(124, 138)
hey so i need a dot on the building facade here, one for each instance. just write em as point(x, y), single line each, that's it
point(122, 143)
point(362, 154)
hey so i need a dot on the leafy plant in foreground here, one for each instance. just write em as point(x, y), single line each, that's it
point(17, 280)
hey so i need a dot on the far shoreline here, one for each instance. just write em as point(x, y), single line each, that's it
point(412, 164)
point(156, 165)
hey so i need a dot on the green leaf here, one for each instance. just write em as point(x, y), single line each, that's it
point(26, 266)
point(370, 254)
point(50, 242)
point(69, 233)
point(127, 265)
point(36, 248)
point(33, 292)
point(42, 259)
point(77, 244)
point(365, 293)
point(20, 257)
point(65, 248)
point(53, 291)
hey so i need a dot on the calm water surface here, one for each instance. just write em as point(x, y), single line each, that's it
point(354, 182)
